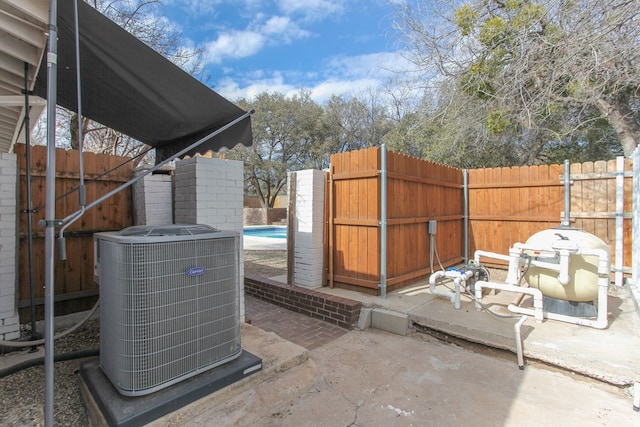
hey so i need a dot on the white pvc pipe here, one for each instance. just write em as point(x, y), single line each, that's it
point(601, 322)
point(517, 329)
point(513, 274)
point(459, 280)
point(604, 267)
point(563, 277)
point(513, 259)
point(535, 293)
point(432, 286)
point(433, 279)
point(479, 253)
point(566, 222)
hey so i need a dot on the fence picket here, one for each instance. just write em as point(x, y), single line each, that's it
point(75, 287)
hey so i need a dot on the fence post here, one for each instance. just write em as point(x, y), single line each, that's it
point(635, 221)
point(619, 220)
point(383, 221)
point(465, 232)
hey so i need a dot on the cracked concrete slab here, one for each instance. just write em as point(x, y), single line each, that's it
point(377, 378)
point(609, 355)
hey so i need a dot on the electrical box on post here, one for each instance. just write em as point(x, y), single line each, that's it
point(433, 226)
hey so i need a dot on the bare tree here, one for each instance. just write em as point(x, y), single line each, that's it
point(543, 69)
point(360, 121)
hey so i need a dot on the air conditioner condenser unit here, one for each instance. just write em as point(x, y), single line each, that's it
point(169, 303)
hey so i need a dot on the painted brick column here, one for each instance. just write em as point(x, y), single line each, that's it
point(153, 200)
point(9, 322)
point(210, 191)
point(308, 228)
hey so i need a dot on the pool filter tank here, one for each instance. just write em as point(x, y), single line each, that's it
point(582, 279)
point(576, 254)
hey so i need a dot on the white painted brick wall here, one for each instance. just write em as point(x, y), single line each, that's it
point(308, 228)
point(9, 322)
point(210, 191)
point(153, 200)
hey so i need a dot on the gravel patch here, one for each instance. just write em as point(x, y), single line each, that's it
point(23, 392)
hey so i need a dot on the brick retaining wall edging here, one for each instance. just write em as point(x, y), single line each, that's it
point(339, 311)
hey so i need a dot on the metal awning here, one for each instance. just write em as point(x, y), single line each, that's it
point(126, 85)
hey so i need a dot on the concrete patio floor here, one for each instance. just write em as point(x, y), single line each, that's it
point(611, 355)
point(377, 378)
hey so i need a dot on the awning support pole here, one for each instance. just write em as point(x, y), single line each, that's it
point(50, 213)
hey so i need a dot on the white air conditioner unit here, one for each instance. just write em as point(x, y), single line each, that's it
point(169, 304)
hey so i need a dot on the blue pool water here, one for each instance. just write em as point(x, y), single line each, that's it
point(272, 232)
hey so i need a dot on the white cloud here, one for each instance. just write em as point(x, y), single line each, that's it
point(250, 88)
point(200, 6)
point(380, 64)
point(276, 25)
point(311, 10)
point(282, 27)
point(323, 91)
point(234, 44)
point(248, 42)
point(343, 75)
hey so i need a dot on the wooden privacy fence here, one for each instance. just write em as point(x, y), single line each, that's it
point(505, 206)
point(75, 288)
point(508, 205)
point(417, 192)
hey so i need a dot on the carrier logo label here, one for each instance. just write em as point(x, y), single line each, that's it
point(195, 271)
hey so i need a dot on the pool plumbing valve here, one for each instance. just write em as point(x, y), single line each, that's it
point(463, 278)
point(478, 272)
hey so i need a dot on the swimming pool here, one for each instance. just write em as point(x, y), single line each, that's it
point(269, 231)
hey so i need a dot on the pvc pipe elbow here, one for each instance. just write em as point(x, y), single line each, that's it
point(518, 336)
point(435, 276)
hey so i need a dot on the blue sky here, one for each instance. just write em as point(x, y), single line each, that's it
point(340, 47)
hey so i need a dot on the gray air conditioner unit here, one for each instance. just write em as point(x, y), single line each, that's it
point(169, 303)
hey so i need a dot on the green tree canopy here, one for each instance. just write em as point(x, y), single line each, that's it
point(286, 132)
